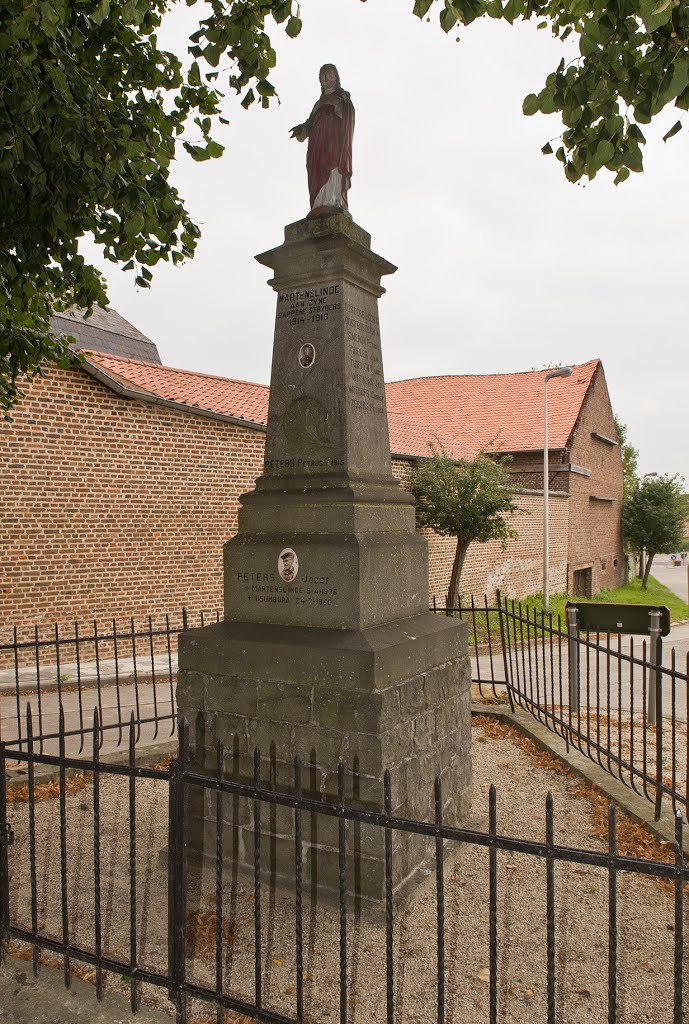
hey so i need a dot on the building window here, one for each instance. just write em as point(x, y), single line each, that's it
point(604, 563)
point(614, 563)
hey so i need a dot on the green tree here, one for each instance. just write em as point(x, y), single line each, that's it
point(468, 500)
point(93, 112)
point(630, 458)
point(653, 518)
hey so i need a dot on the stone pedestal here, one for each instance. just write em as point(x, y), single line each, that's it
point(327, 649)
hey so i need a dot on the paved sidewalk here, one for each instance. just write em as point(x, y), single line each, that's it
point(671, 576)
point(24, 1000)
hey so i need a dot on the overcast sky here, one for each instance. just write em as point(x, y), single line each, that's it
point(503, 265)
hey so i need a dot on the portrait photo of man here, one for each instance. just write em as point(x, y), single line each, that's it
point(307, 354)
point(288, 565)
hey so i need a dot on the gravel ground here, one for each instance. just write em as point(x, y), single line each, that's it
point(646, 915)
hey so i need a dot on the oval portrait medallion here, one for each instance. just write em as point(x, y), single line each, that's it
point(288, 565)
point(307, 354)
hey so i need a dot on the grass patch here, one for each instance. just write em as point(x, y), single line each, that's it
point(628, 593)
point(483, 625)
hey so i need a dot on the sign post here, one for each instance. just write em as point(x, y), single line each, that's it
point(640, 619)
point(655, 658)
point(573, 652)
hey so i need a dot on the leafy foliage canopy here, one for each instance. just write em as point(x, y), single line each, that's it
point(653, 517)
point(92, 112)
point(469, 500)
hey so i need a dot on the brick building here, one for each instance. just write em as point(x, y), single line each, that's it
point(122, 478)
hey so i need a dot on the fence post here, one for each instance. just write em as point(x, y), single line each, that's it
point(654, 675)
point(175, 884)
point(447, 605)
point(505, 654)
point(655, 702)
point(5, 838)
point(573, 653)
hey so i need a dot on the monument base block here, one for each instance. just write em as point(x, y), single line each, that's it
point(391, 697)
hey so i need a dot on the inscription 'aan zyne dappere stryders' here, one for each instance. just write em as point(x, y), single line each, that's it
point(309, 305)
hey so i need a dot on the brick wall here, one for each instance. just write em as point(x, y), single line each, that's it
point(595, 537)
point(113, 507)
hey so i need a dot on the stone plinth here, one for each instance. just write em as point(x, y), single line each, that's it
point(327, 649)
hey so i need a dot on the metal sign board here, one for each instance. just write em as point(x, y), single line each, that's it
point(594, 617)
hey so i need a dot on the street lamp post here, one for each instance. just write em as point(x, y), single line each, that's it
point(642, 557)
point(563, 371)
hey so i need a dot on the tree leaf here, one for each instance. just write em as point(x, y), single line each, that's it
point(293, 27)
point(531, 105)
point(677, 127)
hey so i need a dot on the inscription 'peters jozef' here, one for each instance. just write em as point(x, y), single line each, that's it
point(287, 586)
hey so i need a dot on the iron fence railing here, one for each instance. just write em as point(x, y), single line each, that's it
point(619, 700)
point(118, 667)
point(614, 699)
point(214, 981)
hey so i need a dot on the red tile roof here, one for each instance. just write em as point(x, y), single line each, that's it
point(503, 412)
point(237, 398)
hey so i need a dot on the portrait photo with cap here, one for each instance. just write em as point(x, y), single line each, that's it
point(288, 565)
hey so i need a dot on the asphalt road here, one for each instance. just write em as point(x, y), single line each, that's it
point(115, 706)
point(674, 578)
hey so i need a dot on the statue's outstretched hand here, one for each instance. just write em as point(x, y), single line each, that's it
point(299, 132)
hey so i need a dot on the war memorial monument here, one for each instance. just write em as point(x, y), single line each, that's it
point(327, 649)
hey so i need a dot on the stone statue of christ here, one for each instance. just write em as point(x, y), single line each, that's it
point(329, 129)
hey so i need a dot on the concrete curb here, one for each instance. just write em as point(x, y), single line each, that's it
point(45, 772)
point(636, 807)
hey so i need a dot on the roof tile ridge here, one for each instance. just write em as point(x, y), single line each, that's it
point(173, 369)
point(485, 376)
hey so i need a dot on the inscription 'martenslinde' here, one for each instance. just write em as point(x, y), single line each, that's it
point(309, 305)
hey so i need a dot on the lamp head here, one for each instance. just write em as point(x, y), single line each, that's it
point(562, 371)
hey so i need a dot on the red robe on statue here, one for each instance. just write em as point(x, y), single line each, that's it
point(330, 127)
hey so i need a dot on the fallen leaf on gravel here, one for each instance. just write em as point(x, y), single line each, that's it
point(74, 783)
point(529, 993)
point(583, 992)
point(278, 963)
point(202, 928)
point(484, 975)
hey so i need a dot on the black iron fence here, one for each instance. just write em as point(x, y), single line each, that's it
point(220, 953)
point(118, 667)
point(618, 700)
